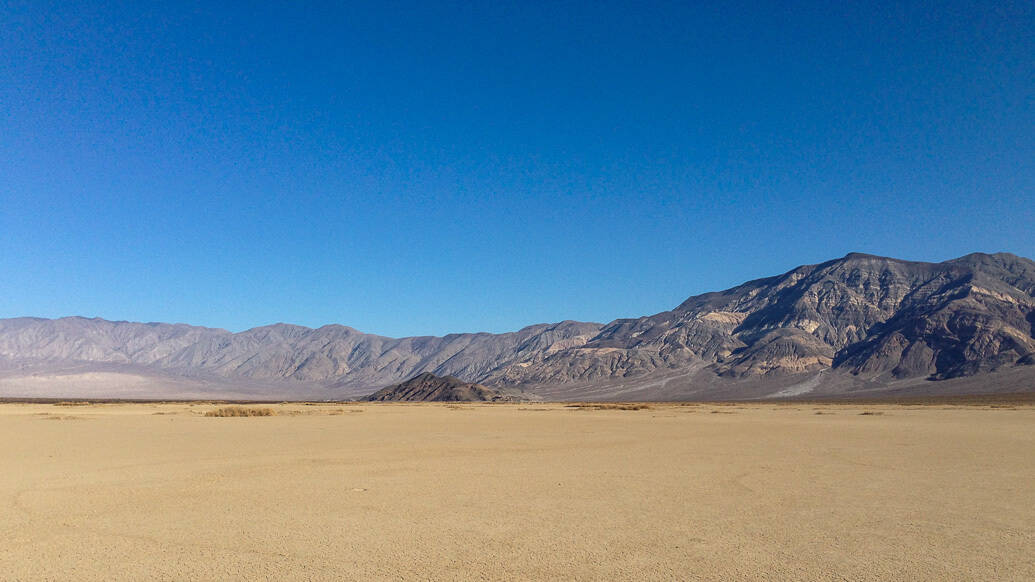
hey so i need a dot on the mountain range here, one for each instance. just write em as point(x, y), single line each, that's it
point(857, 325)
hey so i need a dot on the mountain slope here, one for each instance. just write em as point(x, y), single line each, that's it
point(866, 315)
point(334, 355)
point(857, 322)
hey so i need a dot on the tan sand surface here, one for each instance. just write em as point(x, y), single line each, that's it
point(517, 492)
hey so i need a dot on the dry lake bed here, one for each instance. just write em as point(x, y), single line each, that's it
point(517, 492)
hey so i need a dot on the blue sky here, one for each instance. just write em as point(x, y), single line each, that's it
point(426, 168)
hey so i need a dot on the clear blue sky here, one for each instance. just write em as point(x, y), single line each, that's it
point(425, 168)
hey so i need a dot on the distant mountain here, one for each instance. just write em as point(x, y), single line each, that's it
point(428, 387)
point(332, 361)
point(858, 324)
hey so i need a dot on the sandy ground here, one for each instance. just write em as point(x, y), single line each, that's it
point(522, 492)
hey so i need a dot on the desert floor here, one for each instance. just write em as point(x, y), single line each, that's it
point(522, 492)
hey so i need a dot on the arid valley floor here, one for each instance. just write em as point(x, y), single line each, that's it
point(770, 491)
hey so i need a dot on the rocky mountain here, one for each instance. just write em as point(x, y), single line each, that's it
point(333, 360)
point(428, 387)
point(858, 323)
point(864, 314)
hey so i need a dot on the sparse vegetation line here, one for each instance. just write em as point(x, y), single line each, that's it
point(228, 411)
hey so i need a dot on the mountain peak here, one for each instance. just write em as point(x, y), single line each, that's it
point(857, 255)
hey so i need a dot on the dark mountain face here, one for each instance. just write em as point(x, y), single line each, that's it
point(861, 316)
point(428, 387)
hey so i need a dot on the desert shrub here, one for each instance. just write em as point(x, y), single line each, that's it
point(610, 406)
point(227, 411)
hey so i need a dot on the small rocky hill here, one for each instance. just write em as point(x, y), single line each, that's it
point(428, 387)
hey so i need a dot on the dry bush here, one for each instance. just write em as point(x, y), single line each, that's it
point(228, 411)
point(870, 413)
point(70, 403)
point(625, 407)
point(609, 406)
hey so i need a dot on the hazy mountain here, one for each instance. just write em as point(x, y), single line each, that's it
point(333, 356)
point(428, 387)
point(856, 323)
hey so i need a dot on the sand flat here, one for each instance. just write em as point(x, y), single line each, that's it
point(517, 492)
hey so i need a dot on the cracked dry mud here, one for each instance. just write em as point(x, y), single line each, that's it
point(509, 492)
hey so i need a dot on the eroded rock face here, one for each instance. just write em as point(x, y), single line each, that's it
point(870, 316)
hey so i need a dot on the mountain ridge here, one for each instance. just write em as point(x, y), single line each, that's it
point(862, 319)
